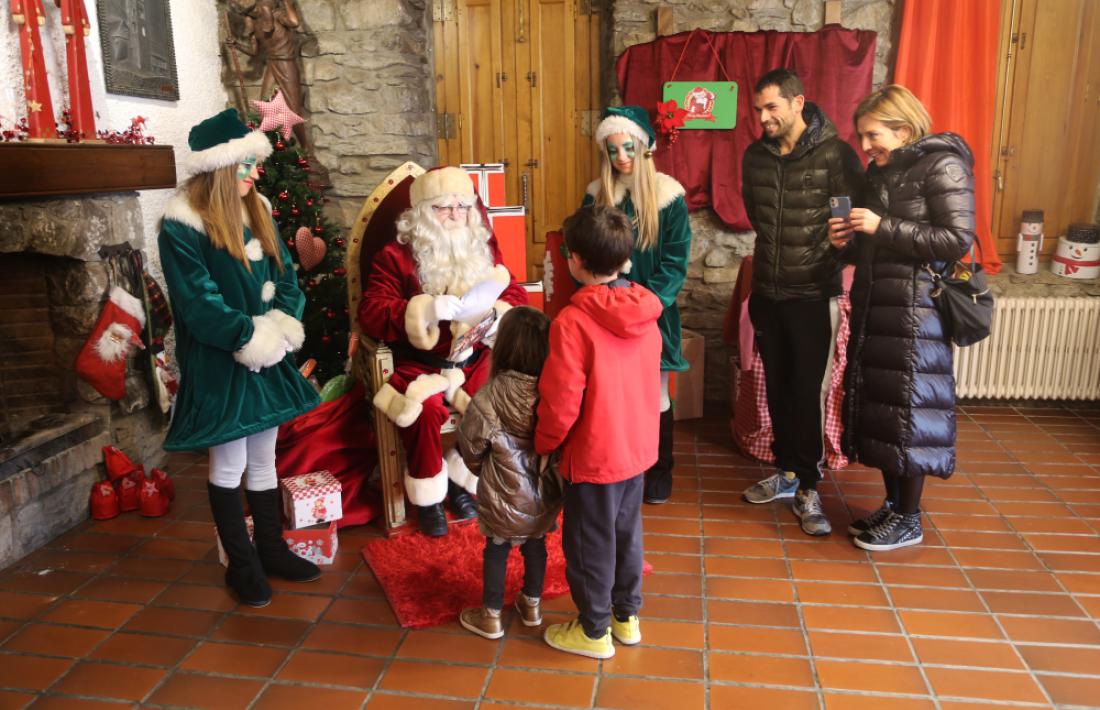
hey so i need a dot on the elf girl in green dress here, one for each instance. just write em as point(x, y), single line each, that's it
point(236, 304)
point(662, 246)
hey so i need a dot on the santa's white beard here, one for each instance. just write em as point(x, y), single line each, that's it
point(448, 260)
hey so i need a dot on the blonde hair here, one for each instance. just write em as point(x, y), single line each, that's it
point(896, 107)
point(643, 193)
point(214, 196)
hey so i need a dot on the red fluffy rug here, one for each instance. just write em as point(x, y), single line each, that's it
point(428, 581)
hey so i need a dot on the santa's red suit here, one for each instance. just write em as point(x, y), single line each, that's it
point(396, 310)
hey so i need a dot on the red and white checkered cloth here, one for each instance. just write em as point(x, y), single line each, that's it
point(310, 485)
point(751, 425)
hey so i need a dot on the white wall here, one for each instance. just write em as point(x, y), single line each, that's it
point(198, 65)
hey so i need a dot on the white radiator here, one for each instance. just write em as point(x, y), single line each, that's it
point(1040, 348)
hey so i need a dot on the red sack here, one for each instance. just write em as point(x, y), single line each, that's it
point(337, 437)
point(118, 463)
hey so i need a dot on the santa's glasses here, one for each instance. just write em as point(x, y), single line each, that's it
point(453, 209)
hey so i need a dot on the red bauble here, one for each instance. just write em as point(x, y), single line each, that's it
point(289, 243)
point(311, 283)
point(302, 161)
point(294, 211)
point(339, 241)
point(284, 195)
point(318, 230)
point(309, 202)
point(276, 213)
point(279, 145)
point(325, 339)
point(339, 271)
point(331, 315)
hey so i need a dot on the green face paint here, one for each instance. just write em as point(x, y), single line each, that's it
point(245, 167)
point(627, 148)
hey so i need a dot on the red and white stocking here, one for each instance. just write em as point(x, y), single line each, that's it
point(102, 360)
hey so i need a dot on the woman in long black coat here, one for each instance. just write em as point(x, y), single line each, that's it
point(899, 407)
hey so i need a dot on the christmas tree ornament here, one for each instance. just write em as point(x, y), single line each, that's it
point(284, 195)
point(318, 229)
point(276, 114)
point(326, 339)
point(311, 249)
point(276, 213)
point(279, 145)
point(102, 360)
point(294, 211)
point(339, 271)
point(309, 202)
point(339, 241)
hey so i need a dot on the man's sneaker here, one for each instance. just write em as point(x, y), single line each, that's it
point(807, 506)
point(482, 621)
point(530, 612)
point(570, 637)
point(862, 525)
point(894, 532)
point(771, 488)
point(628, 632)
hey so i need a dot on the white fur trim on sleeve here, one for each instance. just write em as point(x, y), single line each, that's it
point(426, 386)
point(459, 473)
point(461, 401)
point(254, 250)
point(114, 343)
point(290, 326)
point(267, 292)
point(427, 491)
point(455, 379)
point(266, 347)
point(420, 323)
point(131, 305)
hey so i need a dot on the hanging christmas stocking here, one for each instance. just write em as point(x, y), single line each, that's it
point(102, 360)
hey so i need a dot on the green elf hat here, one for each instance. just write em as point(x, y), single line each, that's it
point(221, 141)
point(626, 119)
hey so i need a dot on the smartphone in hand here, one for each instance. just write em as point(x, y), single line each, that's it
point(841, 206)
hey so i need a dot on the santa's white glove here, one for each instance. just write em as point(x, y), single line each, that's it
point(446, 307)
point(548, 276)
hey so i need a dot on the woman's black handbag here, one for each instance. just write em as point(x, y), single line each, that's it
point(961, 294)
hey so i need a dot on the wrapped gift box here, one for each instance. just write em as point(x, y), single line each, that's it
point(318, 543)
point(311, 499)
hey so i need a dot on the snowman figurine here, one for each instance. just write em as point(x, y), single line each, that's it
point(1029, 242)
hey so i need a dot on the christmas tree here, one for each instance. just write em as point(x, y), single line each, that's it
point(318, 250)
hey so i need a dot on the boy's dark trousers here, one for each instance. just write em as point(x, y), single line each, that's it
point(495, 568)
point(602, 542)
point(794, 338)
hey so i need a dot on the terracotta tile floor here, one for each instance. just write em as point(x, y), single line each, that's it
point(999, 606)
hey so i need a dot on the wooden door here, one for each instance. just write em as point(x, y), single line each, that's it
point(1047, 146)
point(517, 82)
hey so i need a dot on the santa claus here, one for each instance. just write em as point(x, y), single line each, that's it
point(412, 298)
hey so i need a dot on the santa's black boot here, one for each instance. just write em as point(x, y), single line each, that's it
point(275, 556)
point(658, 479)
point(244, 574)
point(462, 503)
point(432, 519)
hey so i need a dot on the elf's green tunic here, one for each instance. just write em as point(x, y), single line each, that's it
point(213, 300)
point(663, 268)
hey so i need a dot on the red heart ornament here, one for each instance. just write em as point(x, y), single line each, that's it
point(311, 249)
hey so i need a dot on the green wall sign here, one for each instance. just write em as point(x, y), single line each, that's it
point(710, 104)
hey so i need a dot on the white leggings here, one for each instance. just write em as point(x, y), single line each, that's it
point(666, 402)
point(256, 453)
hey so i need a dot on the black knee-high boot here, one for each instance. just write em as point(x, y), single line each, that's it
point(658, 479)
point(275, 556)
point(244, 574)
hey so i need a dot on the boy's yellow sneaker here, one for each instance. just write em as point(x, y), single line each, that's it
point(628, 632)
point(571, 638)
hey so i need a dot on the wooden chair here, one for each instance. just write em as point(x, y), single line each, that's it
point(376, 226)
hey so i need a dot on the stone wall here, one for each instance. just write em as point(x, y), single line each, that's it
point(716, 252)
point(368, 70)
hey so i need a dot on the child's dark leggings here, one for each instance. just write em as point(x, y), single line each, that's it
point(904, 492)
point(495, 568)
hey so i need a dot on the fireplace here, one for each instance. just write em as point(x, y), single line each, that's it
point(53, 425)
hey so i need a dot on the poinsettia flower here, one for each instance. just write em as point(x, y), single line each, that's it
point(670, 116)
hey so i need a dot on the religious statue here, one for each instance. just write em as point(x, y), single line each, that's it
point(28, 16)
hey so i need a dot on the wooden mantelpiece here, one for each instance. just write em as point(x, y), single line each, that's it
point(45, 169)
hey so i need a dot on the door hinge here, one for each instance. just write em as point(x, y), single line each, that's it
point(532, 79)
point(445, 126)
point(443, 10)
point(1008, 151)
point(587, 120)
point(532, 163)
point(501, 78)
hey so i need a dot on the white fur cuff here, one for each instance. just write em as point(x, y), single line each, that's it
point(290, 327)
point(461, 401)
point(457, 472)
point(420, 323)
point(455, 379)
point(266, 347)
point(427, 491)
point(131, 305)
point(426, 386)
point(501, 308)
point(398, 408)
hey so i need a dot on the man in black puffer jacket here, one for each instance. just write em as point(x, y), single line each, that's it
point(788, 176)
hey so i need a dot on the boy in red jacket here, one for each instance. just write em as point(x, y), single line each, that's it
point(600, 404)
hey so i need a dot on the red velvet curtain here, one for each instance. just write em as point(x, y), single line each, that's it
point(835, 65)
point(947, 56)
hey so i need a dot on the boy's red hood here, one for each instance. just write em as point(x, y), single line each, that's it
point(625, 311)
